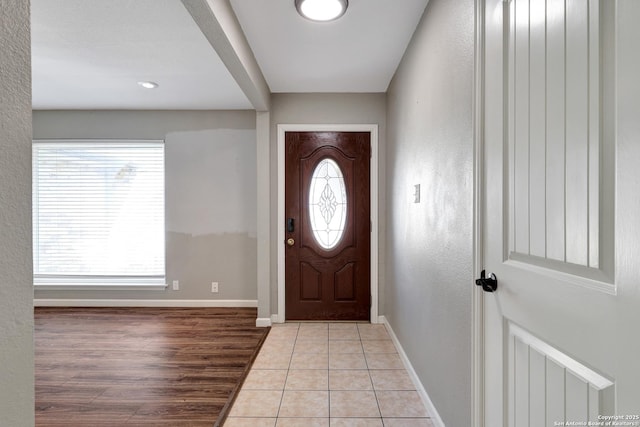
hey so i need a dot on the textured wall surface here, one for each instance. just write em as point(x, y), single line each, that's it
point(211, 212)
point(430, 244)
point(326, 108)
point(16, 292)
point(210, 181)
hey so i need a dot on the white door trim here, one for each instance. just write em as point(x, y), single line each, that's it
point(373, 130)
point(477, 325)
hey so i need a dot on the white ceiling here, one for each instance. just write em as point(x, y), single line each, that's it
point(356, 53)
point(90, 54)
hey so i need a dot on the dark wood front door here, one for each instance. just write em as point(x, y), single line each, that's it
point(328, 228)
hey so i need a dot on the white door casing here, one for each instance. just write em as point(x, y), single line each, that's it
point(560, 334)
point(373, 130)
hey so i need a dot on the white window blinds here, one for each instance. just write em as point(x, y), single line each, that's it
point(98, 212)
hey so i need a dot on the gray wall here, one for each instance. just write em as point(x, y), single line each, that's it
point(429, 252)
point(210, 159)
point(16, 292)
point(326, 108)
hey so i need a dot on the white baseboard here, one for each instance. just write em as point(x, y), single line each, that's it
point(275, 319)
point(435, 417)
point(263, 322)
point(72, 302)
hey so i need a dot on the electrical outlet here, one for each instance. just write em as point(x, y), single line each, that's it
point(176, 285)
point(214, 287)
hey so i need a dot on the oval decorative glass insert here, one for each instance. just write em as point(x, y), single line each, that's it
point(327, 203)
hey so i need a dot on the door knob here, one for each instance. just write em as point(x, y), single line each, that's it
point(489, 284)
point(290, 241)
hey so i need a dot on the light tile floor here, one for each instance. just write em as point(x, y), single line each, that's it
point(328, 375)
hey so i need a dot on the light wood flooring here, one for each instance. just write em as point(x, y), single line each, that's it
point(141, 366)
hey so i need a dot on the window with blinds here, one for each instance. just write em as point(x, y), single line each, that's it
point(98, 212)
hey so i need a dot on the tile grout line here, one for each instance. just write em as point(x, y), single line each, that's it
point(286, 378)
point(373, 388)
point(328, 370)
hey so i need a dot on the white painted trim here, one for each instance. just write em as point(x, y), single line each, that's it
point(262, 322)
point(590, 376)
point(584, 282)
point(98, 287)
point(477, 314)
point(373, 130)
point(77, 302)
point(274, 319)
point(433, 412)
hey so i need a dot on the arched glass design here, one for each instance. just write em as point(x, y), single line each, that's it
point(327, 203)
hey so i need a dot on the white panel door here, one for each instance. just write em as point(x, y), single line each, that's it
point(561, 201)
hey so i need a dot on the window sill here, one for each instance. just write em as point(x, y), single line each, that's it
point(100, 286)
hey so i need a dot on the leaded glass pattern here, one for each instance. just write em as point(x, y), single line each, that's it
point(327, 203)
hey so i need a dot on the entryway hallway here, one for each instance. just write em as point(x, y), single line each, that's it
point(328, 374)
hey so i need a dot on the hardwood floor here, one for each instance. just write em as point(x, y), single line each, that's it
point(141, 366)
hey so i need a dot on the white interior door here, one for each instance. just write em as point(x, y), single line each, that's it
point(562, 211)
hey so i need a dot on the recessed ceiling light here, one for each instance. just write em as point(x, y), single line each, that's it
point(322, 10)
point(148, 85)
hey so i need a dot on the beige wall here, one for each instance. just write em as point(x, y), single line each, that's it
point(16, 292)
point(356, 108)
point(210, 180)
point(429, 248)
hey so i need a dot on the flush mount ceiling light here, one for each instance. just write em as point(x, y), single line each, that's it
point(322, 10)
point(148, 85)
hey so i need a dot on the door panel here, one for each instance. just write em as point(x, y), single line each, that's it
point(544, 380)
point(327, 262)
point(554, 136)
point(553, 331)
point(344, 282)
